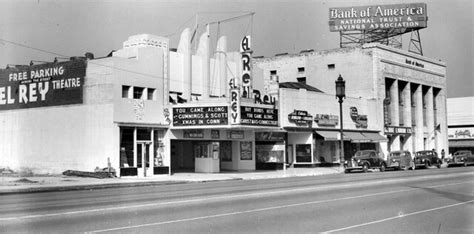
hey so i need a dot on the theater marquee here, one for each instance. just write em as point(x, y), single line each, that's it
point(51, 84)
point(410, 15)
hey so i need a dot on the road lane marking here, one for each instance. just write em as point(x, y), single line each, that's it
point(267, 209)
point(206, 199)
point(398, 217)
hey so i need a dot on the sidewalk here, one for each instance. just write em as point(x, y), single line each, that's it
point(11, 184)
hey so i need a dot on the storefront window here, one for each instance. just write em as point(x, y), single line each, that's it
point(303, 153)
point(159, 148)
point(270, 153)
point(143, 134)
point(126, 147)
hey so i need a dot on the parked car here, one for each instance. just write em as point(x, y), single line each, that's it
point(427, 158)
point(365, 160)
point(400, 159)
point(462, 157)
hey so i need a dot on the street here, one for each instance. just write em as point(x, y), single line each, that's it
point(420, 201)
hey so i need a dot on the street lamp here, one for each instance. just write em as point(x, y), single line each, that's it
point(341, 94)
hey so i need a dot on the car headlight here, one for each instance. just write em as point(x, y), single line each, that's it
point(358, 160)
point(423, 160)
point(393, 160)
point(346, 162)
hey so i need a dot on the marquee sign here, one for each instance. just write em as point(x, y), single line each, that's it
point(408, 15)
point(191, 116)
point(258, 116)
point(51, 84)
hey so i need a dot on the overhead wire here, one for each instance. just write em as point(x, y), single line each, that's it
point(115, 67)
point(137, 72)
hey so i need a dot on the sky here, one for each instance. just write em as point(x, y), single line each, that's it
point(41, 30)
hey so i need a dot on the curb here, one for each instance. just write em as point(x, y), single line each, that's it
point(96, 186)
point(65, 188)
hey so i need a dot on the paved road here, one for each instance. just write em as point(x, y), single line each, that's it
point(421, 201)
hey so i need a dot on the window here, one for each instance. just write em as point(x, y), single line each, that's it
point(273, 72)
point(151, 94)
point(137, 92)
point(300, 69)
point(301, 80)
point(331, 66)
point(125, 91)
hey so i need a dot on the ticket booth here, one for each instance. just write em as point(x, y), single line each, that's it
point(206, 156)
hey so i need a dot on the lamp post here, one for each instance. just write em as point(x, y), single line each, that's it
point(341, 94)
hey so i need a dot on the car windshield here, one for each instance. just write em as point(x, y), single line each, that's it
point(424, 153)
point(364, 153)
point(395, 155)
point(460, 153)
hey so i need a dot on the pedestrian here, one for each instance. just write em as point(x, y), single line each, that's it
point(442, 155)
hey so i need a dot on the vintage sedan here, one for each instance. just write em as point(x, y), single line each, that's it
point(365, 160)
point(462, 157)
point(400, 159)
point(427, 158)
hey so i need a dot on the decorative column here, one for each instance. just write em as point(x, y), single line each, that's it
point(443, 121)
point(406, 95)
point(394, 114)
point(430, 128)
point(418, 130)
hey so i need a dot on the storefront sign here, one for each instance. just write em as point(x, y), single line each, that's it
point(235, 134)
point(409, 15)
point(193, 133)
point(460, 133)
point(191, 116)
point(257, 116)
point(270, 136)
point(395, 130)
point(326, 120)
point(246, 78)
point(300, 117)
point(360, 120)
point(51, 84)
point(215, 134)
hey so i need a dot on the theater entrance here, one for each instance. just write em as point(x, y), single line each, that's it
point(198, 156)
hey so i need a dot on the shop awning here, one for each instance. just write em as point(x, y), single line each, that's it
point(329, 135)
point(374, 136)
point(461, 143)
point(356, 137)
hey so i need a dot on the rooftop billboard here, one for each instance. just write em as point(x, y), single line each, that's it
point(409, 15)
point(42, 85)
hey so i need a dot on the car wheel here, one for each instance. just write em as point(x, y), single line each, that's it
point(365, 167)
point(382, 167)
